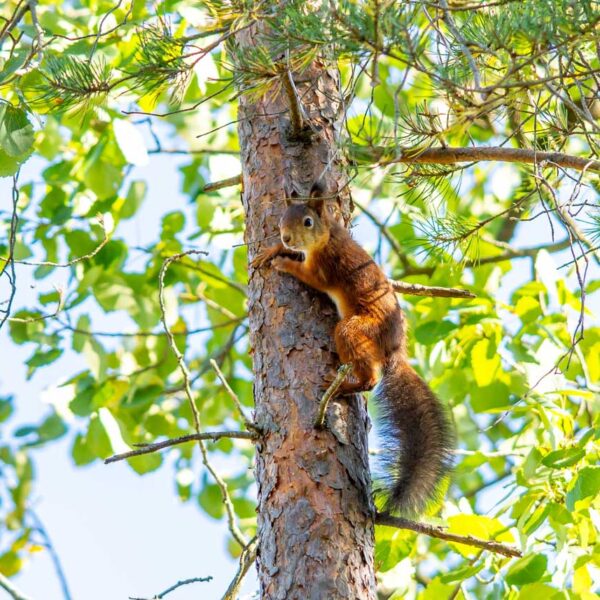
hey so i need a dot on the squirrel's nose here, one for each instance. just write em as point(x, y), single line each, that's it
point(287, 238)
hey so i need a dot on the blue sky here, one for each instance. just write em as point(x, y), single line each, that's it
point(117, 534)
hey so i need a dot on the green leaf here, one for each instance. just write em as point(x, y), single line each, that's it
point(6, 408)
point(210, 500)
point(42, 358)
point(145, 463)
point(560, 459)
point(9, 165)
point(434, 331)
point(80, 451)
point(134, 198)
point(16, 132)
point(52, 428)
point(485, 362)
point(97, 439)
point(528, 569)
point(585, 485)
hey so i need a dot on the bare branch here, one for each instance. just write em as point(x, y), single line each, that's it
point(45, 263)
point(218, 185)
point(416, 289)
point(174, 587)
point(21, 9)
point(440, 533)
point(60, 573)
point(193, 437)
point(7, 586)
point(247, 558)
point(462, 42)
point(247, 422)
point(187, 386)
point(8, 268)
point(342, 373)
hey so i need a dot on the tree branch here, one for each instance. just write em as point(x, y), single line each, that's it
point(70, 263)
point(60, 573)
point(193, 437)
point(416, 289)
point(218, 185)
point(247, 558)
point(22, 8)
point(296, 120)
point(174, 587)
point(449, 156)
point(440, 533)
point(250, 426)
point(235, 531)
point(7, 586)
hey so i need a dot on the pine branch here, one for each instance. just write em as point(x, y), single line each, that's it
point(440, 533)
point(447, 156)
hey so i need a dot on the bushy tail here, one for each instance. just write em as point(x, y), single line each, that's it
point(418, 438)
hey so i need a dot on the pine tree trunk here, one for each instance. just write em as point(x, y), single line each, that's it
point(315, 523)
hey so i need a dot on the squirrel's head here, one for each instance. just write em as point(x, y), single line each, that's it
point(306, 222)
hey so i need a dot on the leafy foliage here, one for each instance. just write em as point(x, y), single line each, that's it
point(522, 384)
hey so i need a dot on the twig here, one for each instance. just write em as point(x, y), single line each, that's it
point(449, 156)
point(13, 21)
point(247, 422)
point(39, 32)
point(440, 533)
point(122, 334)
point(462, 43)
point(385, 232)
point(218, 185)
point(416, 289)
point(60, 573)
point(7, 586)
point(9, 267)
point(46, 263)
point(187, 386)
point(247, 557)
point(342, 373)
point(174, 587)
point(193, 437)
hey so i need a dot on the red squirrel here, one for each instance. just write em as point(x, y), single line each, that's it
point(370, 335)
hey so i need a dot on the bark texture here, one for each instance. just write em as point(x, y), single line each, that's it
point(315, 516)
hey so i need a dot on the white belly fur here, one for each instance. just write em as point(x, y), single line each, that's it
point(338, 299)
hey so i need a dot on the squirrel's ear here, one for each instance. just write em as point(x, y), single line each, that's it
point(291, 198)
point(317, 201)
point(317, 190)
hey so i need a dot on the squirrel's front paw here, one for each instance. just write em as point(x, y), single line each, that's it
point(262, 258)
point(279, 263)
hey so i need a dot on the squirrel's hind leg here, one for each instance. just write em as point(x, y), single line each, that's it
point(355, 345)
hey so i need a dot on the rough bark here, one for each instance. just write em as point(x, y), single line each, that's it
point(315, 516)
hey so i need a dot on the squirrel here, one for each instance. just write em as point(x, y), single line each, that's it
point(318, 250)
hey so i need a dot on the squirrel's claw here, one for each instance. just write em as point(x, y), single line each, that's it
point(263, 258)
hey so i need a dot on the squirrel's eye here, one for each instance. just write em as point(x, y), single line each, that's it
point(308, 222)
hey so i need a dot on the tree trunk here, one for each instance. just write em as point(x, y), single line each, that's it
point(315, 515)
